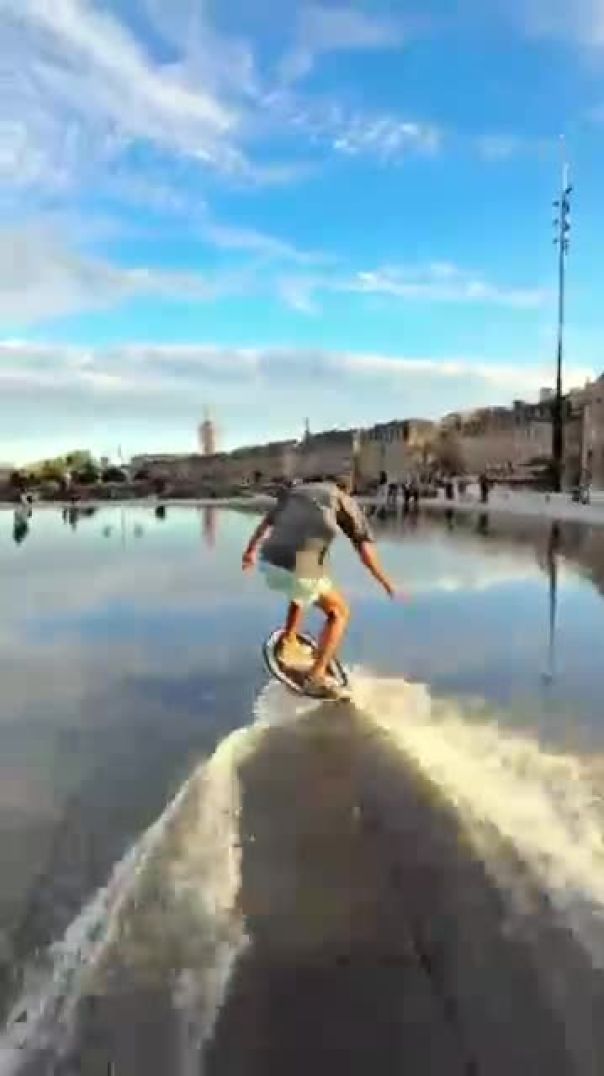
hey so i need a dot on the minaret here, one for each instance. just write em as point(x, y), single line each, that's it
point(207, 435)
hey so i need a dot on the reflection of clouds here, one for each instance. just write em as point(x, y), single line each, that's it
point(168, 584)
point(92, 613)
point(109, 659)
point(93, 617)
point(170, 573)
point(483, 577)
point(431, 563)
point(71, 678)
point(100, 639)
point(168, 570)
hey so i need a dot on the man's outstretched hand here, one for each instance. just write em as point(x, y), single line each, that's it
point(396, 594)
point(248, 560)
point(369, 557)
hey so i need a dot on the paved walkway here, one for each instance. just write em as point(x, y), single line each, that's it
point(543, 505)
point(556, 506)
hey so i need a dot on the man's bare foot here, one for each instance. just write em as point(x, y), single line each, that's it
point(322, 687)
point(294, 653)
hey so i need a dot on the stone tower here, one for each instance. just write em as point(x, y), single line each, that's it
point(207, 436)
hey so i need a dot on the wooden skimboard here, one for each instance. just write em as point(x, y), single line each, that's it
point(293, 676)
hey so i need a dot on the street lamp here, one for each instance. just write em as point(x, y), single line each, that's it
point(562, 226)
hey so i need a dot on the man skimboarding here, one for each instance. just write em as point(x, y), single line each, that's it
point(294, 540)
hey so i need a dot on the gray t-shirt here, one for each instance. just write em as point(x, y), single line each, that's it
point(305, 521)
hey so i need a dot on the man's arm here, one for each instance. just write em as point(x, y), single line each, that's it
point(263, 528)
point(352, 520)
point(368, 555)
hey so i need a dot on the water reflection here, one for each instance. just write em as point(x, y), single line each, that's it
point(74, 512)
point(115, 681)
point(21, 518)
point(71, 516)
point(126, 529)
point(553, 549)
point(209, 525)
point(485, 614)
point(482, 523)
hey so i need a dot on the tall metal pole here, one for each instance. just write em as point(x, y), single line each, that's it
point(562, 224)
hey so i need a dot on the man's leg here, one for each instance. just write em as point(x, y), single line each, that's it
point(293, 623)
point(338, 614)
point(289, 650)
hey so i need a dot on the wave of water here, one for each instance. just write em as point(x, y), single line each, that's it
point(169, 913)
point(544, 806)
point(176, 886)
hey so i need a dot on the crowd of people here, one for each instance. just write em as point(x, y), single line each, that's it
point(407, 491)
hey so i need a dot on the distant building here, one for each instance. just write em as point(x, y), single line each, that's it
point(506, 441)
point(592, 430)
point(501, 439)
point(6, 470)
point(400, 448)
point(546, 394)
point(332, 452)
point(207, 437)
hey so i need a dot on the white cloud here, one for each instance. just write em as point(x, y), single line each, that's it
point(82, 91)
point(23, 159)
point(154, 368)
point(81, 87)
point(438, 282)
point(227, 63)
point(322, 29)
point(41, 277)
point(353, 132)
point(150, 189)
point(233, 237)
point(505, 147)
point(298, 293)
point(498, 147)
point(149, 398)
point(387, 137)
point(579, 22)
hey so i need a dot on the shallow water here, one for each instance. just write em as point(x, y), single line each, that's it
point(251, 884)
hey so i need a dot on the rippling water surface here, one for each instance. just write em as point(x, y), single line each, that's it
point(202, 874)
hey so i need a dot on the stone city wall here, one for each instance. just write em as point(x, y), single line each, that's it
point(489, 439)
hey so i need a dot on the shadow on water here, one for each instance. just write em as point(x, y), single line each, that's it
point(377, 938)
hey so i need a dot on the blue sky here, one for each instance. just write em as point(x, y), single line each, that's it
point(340, 211)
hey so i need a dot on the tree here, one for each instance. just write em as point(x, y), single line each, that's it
point(88, 475)
point(113, 474)
point(448, 452)
point(18, 480)
point(78, 460)
point(52, 471)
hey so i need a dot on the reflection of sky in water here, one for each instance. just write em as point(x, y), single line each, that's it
point(129, 646)
point(128, 596)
